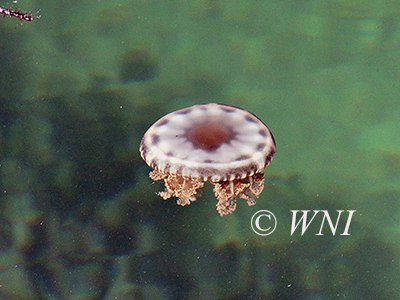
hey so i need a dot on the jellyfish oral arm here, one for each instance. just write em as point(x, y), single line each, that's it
point(186, 190)
point(248, 189)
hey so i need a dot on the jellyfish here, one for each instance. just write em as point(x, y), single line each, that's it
point(223, 144)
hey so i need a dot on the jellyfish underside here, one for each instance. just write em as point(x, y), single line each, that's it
point(188, 190)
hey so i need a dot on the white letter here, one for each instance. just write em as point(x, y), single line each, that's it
point(326, 215)
point(304, 218)
point(346, 230)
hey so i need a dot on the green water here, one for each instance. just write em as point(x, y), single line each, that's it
point(79, 217)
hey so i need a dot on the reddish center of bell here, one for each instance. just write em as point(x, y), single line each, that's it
point(209, 136)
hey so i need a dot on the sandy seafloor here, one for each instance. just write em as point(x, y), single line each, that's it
point(79, 86)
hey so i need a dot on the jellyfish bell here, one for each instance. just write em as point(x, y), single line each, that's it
point(223, 144)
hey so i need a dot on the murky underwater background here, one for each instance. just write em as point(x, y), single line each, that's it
point(79, 217)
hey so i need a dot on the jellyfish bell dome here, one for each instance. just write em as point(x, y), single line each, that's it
point(223, 144)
